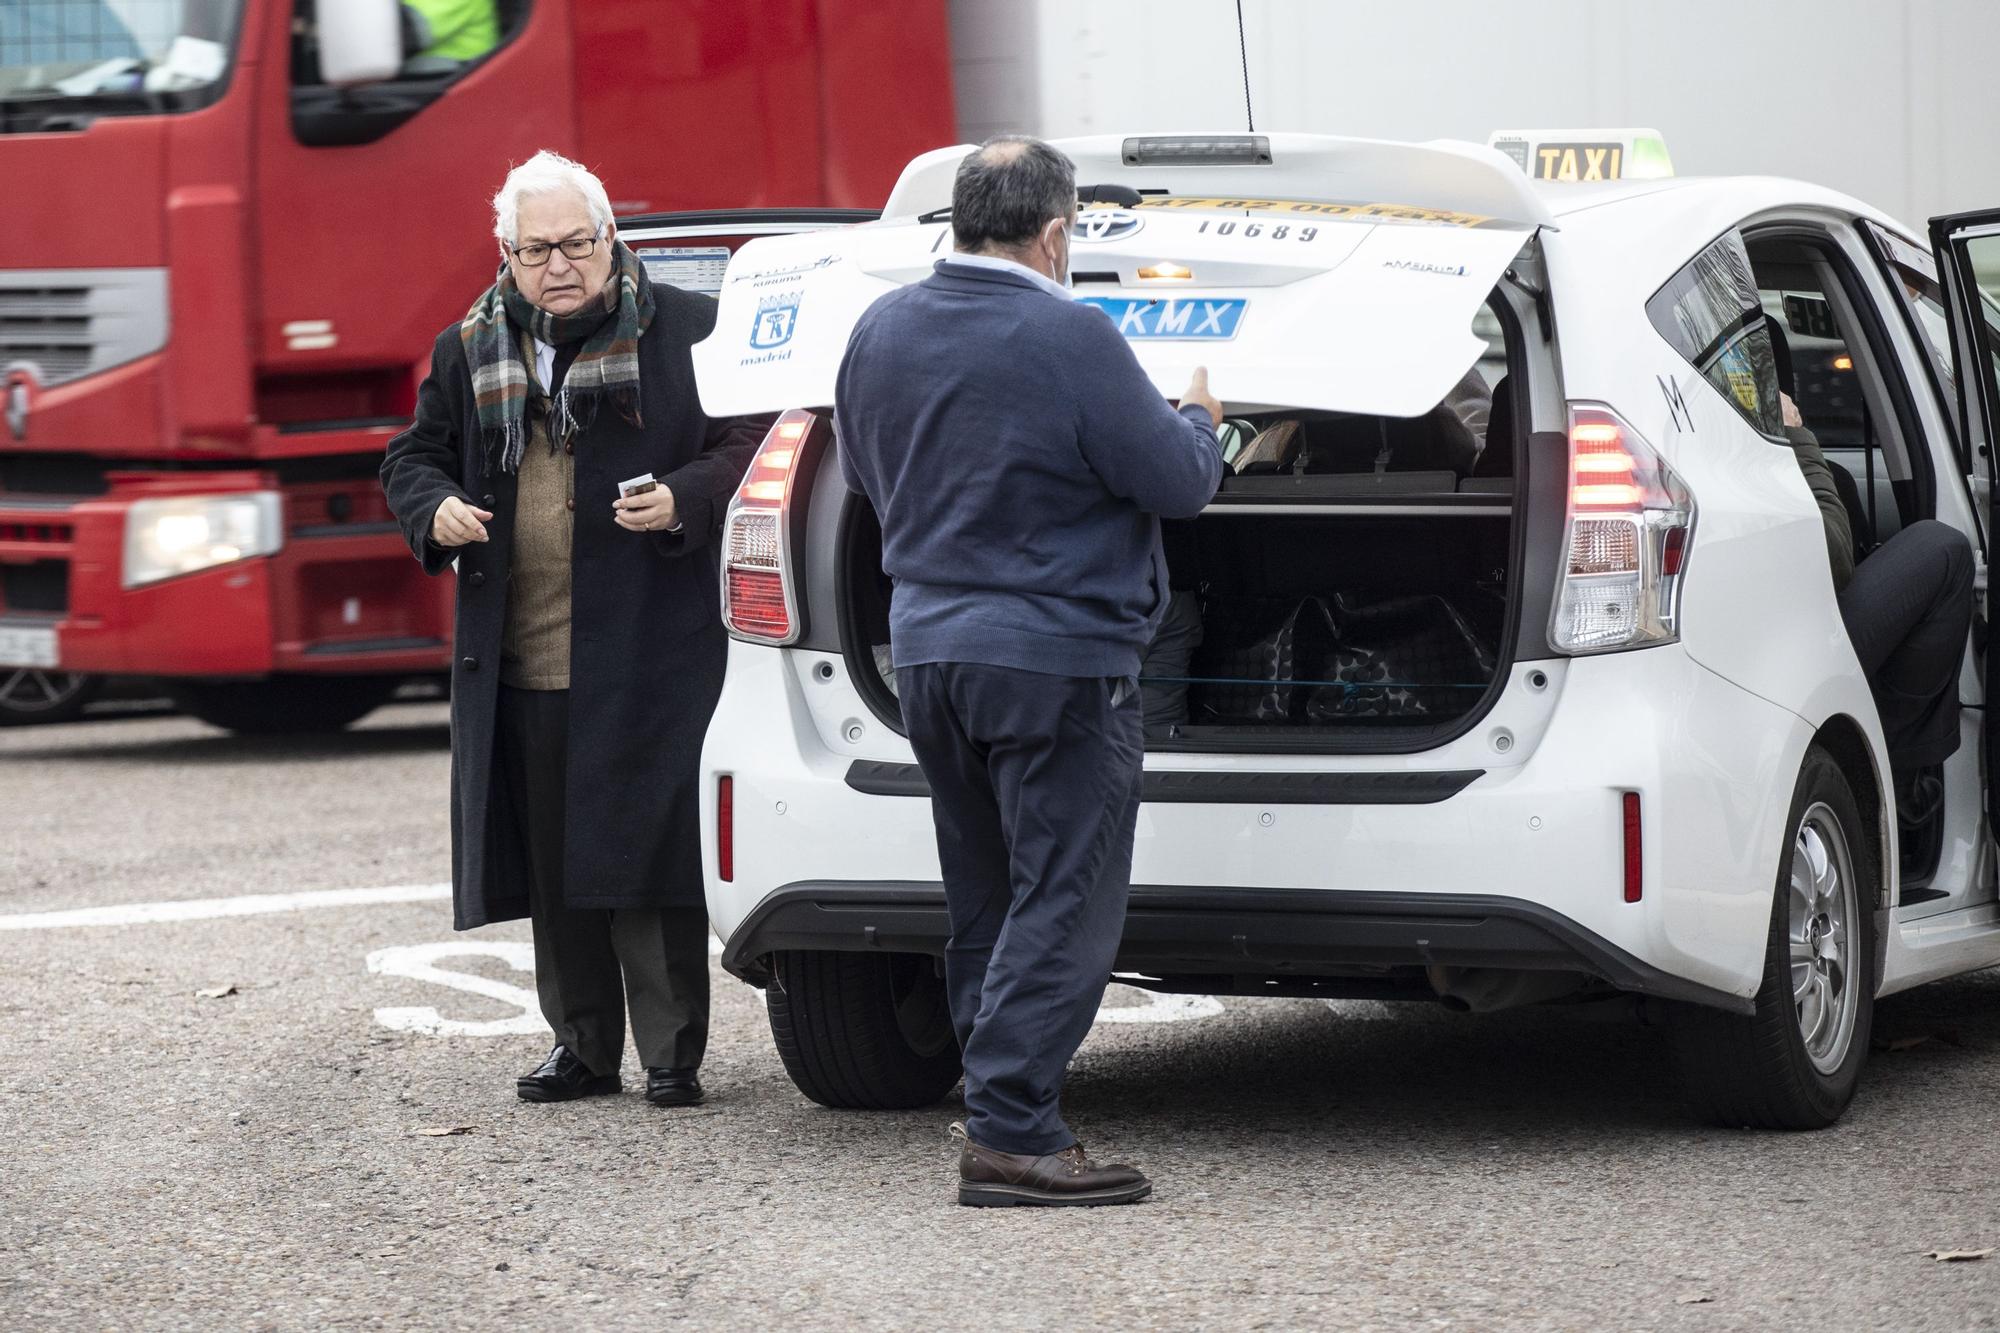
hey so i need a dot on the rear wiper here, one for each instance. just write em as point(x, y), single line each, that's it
point(1122, 195)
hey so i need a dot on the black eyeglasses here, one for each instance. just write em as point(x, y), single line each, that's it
point(574, 249)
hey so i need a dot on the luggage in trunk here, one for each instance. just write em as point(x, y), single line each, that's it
point(1311, 629)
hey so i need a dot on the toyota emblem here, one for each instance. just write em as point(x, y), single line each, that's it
point(1107, 224)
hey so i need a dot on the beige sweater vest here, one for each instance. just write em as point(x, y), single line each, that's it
point(534, 650)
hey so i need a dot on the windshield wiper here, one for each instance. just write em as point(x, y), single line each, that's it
point(35, 112)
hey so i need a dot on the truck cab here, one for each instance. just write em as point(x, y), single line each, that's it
point(228, 272)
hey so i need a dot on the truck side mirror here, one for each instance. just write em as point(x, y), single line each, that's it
point(360, 41)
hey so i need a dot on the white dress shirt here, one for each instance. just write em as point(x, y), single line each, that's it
point(1042, 280)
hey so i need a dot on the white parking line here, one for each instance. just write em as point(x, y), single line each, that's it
point(205, 909)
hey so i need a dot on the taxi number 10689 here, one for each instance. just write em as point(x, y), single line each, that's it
point(1277, 231)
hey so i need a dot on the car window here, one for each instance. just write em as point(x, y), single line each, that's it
point(1912, 273)
point(443, 43)
point(1827, 388)
point(1710, 312)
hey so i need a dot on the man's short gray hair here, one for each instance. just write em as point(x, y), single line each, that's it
point(1005, 193)
point(547, 173)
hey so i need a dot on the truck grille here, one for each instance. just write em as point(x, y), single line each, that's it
point(42, 587)
point(45, 534)
point(63, 324)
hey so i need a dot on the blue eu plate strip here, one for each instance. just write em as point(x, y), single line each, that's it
point(1195, 318)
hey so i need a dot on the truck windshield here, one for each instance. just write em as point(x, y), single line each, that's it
point(57, 50)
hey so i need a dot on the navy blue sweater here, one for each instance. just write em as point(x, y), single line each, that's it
point(1020, 461)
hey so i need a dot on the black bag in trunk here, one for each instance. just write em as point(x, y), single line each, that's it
point(1254, 650)
point(1401, 657)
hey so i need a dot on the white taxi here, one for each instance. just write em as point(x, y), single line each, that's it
point(1507, 663)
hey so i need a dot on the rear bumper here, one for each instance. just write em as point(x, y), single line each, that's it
point(1519, 822)
point(1180, 932)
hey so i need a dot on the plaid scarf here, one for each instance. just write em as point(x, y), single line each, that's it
point(606, 366)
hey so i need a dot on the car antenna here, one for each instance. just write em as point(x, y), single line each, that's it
point(1243, 50)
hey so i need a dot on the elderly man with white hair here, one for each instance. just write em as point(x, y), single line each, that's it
point(589, 650)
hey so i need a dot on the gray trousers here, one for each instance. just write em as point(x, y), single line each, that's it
point(591, 964)
point(1907, 610)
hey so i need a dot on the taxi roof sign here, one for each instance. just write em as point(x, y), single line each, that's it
point(1576, 155)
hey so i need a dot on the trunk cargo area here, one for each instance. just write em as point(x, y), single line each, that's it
point(1334, 631)
point(1330, 632)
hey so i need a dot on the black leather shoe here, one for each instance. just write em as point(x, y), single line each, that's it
point(563, 1078)
point(672, 1087)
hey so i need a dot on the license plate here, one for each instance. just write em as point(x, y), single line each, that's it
point(1171, 317)
point(27, 646)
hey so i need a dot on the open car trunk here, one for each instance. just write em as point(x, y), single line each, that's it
point(1354, 587)
point(1349, 591)
point(1334, 631)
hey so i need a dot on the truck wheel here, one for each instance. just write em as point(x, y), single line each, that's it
point(1795, 1062)
point(870, 1031)
point(31, 695)
point(284, 703)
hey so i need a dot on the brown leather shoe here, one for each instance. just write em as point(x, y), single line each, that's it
point(1066, 1179)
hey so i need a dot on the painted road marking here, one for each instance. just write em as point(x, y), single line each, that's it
point(208, 909)
point(419, 963)
point(255, 904)
point(1158, 1008)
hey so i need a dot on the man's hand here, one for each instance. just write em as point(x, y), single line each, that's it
point(1197, 393)
point(652, 512)
point(1788, 411)
point(457, 523)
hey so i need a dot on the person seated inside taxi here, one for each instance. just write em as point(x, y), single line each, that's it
point(1908, 608)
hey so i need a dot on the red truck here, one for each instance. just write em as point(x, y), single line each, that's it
point(220, 278)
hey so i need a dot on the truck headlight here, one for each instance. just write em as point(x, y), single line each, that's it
point(181, 534)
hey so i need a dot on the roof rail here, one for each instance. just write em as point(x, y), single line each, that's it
point(1446, 174)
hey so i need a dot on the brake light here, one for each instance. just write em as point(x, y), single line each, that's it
point(758, 599)
point(725, 829)
point(1626, 542)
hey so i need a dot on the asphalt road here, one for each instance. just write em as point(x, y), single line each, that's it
point(258, 1158)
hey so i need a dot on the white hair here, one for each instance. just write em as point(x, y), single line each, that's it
point(547, 173)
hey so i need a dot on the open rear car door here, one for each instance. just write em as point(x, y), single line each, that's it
point(1967, 247)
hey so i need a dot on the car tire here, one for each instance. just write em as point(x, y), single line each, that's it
point(29, 695)
point(284, 704)
point(1794, 1063)
point(866, 1031)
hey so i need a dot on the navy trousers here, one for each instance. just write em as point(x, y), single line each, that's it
point(1035, 792)
point(1907, 610)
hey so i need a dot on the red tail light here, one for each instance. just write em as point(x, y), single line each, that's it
point(725, 829)
point(1627, 541)
point(758, 600)
point(1602, 473)
point(1635, 881)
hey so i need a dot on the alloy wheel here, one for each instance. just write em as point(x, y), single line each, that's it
point(1824, 907)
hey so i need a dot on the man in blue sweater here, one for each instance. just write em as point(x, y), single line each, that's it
point(1020, 461)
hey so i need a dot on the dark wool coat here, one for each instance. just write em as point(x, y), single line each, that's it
point(646, 640)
